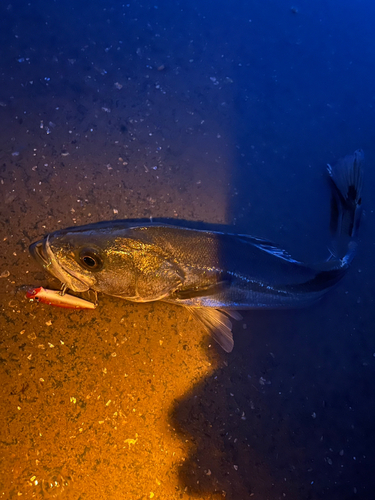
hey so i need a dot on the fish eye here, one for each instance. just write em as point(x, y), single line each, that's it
point(90, 259)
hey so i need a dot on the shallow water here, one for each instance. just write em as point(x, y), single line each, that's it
point(225, 114)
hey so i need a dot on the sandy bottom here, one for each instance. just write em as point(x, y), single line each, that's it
point(134, 401)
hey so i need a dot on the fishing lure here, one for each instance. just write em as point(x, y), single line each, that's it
point(55, 298)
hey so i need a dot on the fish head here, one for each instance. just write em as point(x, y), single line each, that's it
point(83, 259)
point(120, 258)
point(116, 259)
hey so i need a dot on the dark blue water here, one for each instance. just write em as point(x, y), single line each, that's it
point(240, 105)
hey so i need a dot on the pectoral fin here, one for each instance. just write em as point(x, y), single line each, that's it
point(202, 291)
point(218, 325)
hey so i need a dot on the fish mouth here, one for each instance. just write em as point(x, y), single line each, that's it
point(38, 253)
point(41, 251)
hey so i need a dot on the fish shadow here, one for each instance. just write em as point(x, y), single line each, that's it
point(255, 426)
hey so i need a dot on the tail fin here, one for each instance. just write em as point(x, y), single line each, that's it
point(346, 204)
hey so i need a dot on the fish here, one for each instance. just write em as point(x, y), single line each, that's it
point(56, 298)
point(213, 273)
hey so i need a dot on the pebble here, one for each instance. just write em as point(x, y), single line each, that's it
point(4, 274)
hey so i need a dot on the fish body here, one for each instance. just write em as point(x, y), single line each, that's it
point(212, 272)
